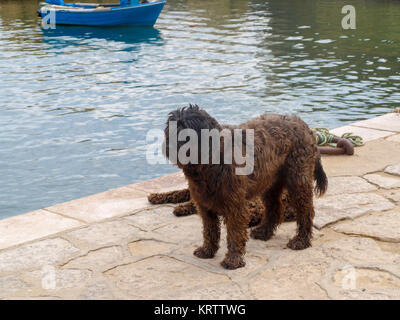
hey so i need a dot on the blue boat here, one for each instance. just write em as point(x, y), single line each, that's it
point(126, 13)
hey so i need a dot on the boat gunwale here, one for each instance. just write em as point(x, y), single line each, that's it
point(97, 9)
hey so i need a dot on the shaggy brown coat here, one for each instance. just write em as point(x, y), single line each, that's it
point(285, 157)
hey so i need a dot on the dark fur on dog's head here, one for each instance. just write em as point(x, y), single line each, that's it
point(191, 117)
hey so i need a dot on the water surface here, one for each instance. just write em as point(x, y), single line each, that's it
point(76, 103)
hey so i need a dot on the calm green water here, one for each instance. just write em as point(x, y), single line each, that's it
point(76, 103)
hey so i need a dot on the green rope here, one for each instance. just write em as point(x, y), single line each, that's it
point(325, 138)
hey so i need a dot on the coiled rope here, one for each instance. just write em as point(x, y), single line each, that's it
point(330, 143)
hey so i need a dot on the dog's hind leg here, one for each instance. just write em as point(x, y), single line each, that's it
point(256, 210)
point(211, 234)
point(273, 212)
point(301, 199)
point(289, 214)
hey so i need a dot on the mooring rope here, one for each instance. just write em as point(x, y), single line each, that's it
point(325, 138)
point(336, 145)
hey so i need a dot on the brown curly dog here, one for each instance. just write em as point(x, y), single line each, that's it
point(285, 156)
point(255, 207)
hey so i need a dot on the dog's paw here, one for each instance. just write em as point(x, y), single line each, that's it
point(181, 211)
point(232, 263)
point(261, 234)
point(204, 253)
point(156, 198)
point(298, 243)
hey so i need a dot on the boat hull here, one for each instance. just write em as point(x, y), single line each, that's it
point(141, 15)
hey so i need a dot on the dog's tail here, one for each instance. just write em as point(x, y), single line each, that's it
point(320, 177)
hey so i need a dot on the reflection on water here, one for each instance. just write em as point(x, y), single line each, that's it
point(64, 36)
point(76, 102)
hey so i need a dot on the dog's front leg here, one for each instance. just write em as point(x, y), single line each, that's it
point(236, 227)
point(211, 234)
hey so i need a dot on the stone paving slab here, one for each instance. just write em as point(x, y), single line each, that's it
point(37, 255)
point(12, 284)
point(32, 226)
point(149, 247)
point(347, 206)
point(394, 138)
point(291, 282)
point(386, 122)
point(393, 169)
point(343, 281)
point(383, 181)
point(104, 234)
point(393, 195)
point(104, 205)
point(374, 156)
point(173, 181)
point(99, 260)
point(161, 216)
point(349, 184)
point(97, 291)
point(366, 133)
point(384, 227)
point(64, 278)
point(358, 251)
point(159, 273)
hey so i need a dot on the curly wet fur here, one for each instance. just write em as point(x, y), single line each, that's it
point(169, 197)
point(285, 158)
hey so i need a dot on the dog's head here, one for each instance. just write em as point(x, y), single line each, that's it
point(192, 118)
